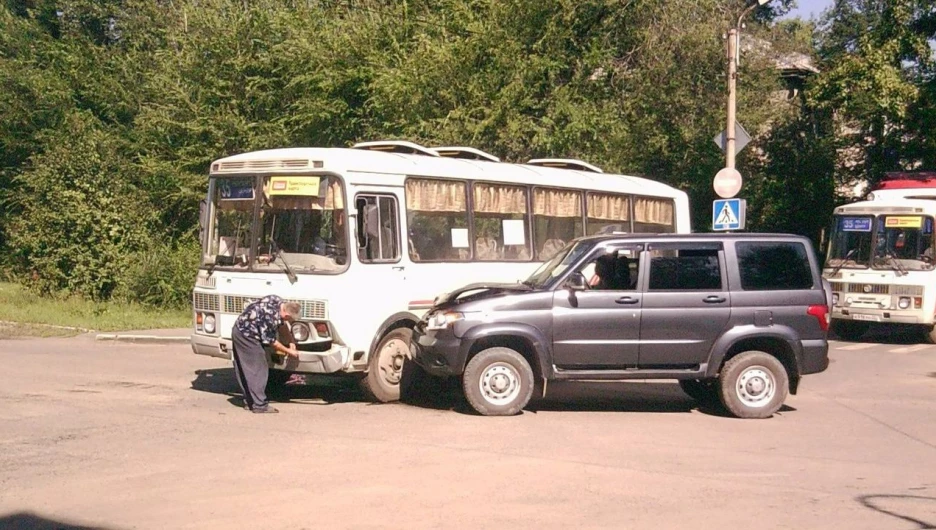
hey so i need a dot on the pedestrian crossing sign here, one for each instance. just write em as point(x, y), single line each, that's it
point(728, 214)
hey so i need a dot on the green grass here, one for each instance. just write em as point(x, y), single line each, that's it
point(20, 306)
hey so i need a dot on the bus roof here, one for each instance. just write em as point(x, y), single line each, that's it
point(346, 160)
point(897, 205)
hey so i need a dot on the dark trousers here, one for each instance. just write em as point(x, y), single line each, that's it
point(251, 368)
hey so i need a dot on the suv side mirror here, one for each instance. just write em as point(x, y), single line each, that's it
point(577, 282)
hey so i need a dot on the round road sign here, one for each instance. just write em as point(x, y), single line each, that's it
point(727, 183)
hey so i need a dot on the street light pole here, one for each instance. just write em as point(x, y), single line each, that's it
point(733, 53)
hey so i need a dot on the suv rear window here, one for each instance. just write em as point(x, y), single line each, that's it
point(684, 269)
point(773, 266)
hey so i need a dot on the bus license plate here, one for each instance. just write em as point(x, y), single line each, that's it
point(869, 318)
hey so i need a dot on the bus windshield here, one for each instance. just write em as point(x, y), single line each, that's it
point(904, 242)
point(850, 245)
point(301, 224)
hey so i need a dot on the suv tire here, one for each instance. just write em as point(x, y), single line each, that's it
point(849, 330)
point(382, 382)
point(705, 391)
point(753, 384)
point(498, 382)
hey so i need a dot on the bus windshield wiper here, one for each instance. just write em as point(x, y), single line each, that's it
point(841, 264)
point(278, 253)
point(901, 271)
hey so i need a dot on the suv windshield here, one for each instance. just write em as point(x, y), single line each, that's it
point(558, 264)
point(850, 245)
point(904, 242)
point(300, 228)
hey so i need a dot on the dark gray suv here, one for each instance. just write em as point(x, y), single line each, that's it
point(735, 318)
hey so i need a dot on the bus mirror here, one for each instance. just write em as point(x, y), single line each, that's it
point(202, 221)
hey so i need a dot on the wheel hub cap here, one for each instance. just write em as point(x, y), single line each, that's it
point(500, 383)
point(391, 361)
point(756, 386)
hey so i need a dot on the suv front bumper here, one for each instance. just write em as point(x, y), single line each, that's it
point(437, 351)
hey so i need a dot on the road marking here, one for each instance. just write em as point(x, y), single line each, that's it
point(908, 349)
point(859, 346)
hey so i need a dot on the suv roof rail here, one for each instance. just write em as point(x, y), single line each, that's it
point(395, 146)
point(565, 163)
point(469, 153)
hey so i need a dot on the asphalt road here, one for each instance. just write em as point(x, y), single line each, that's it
point(108, 435)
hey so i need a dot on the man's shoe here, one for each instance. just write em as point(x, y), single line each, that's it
point(265, 410)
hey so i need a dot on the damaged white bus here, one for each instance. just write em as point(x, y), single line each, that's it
point(364, 238)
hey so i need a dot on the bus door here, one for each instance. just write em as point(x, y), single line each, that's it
point(379, 250)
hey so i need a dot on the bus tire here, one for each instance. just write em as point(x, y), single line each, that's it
point(385, 367)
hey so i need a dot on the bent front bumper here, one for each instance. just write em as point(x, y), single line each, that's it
point(335, 359)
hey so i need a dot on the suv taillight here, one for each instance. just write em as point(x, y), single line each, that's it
point(821, 312)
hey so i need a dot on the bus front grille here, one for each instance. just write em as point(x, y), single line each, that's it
point(206, 302)
point(311, 309)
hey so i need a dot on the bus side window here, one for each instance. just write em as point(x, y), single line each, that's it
point(378, 233)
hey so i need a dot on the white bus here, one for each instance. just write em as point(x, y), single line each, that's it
point(365, 238)
point(880, 259)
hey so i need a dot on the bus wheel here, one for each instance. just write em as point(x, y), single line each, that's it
point(382, 382)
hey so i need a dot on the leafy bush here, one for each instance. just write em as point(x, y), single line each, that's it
point(80, 218)
point(160, 274)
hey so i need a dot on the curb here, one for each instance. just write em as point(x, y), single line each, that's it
point(143, 339)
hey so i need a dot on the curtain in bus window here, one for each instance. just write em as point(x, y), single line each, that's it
point(557, 219)
point(437, 214)
point(500, 222)
point(608, 213)
point(653, 215)
point(435, 196)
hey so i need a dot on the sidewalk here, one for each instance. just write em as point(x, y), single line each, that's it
point(151, 336)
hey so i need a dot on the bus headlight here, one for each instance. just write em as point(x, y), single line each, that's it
point(904, 302)
point(442, 319)
point(835, 298)
point(301, 331)
point(209, 323)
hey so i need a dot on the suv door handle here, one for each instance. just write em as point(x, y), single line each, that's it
point(627, 300)
point(398, 267)
point(713, 299)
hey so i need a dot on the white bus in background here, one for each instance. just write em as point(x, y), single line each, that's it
point(880, 259)
point(365, 238)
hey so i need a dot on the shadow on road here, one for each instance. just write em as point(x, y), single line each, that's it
point(31, 521)
point(890, 334)
point(584, 397)
point(299, 390)
point(904, 507)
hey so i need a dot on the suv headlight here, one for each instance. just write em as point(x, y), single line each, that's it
point(835, 298)
point(904, 302)
point(300, 331)
point(442, 319)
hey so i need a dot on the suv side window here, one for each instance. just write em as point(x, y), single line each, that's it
point(685, 267)
point(773, 266)
point(613, 269)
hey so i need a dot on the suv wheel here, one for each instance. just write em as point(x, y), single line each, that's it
point(753, 384)
point(382, 382)
point(704, 391)
point(498, 382)
point(849, 330)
